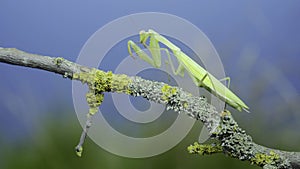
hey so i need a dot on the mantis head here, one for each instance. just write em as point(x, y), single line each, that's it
point(143, 36)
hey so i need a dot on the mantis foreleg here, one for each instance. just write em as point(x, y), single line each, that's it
point(155, 61)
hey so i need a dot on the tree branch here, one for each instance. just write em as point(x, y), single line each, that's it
point(232, 140)
point(52, 64)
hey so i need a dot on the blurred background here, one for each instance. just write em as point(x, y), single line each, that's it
point(258, 42)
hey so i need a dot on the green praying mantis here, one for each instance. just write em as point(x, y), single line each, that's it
point(199, 75)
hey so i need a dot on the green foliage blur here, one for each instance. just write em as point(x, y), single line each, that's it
point(53, 147)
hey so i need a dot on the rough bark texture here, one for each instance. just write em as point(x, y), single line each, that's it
point(233, 140)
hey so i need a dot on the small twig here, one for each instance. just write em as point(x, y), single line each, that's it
point(79, 146)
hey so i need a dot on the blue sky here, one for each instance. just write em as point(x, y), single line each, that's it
point(258, 42)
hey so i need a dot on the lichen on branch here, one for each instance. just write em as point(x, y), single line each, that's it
point(231, 139)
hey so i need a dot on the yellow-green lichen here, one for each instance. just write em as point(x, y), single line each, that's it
point(185, 105)
point(204, 149)
point(225, 113)
point(98, 82)
point(120, 84)
point(79, 151)
point(262, 159)
point(58, 61)
point(94, 101)
point(217, 130)
point(168, 91)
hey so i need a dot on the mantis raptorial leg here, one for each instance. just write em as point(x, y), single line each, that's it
point(152, 61)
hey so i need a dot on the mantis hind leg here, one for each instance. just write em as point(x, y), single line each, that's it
point(212, 83)
point(226, 79)
point(180, 69)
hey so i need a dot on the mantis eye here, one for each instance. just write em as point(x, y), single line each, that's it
point(143, 36)
point(142, 32)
